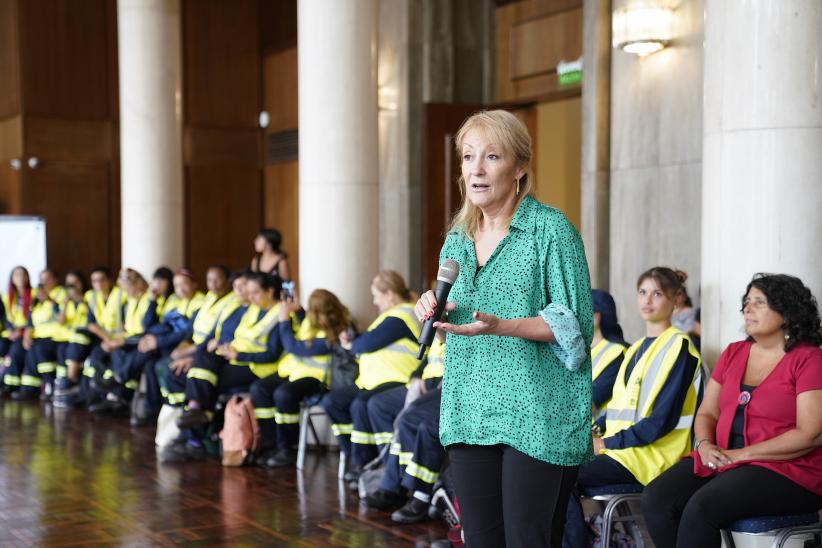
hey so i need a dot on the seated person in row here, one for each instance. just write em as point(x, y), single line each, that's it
point(219, 298)
point(387, 356)
point(413, 464)
point(105, 322)
point(40, 339)
point(302, 373)
point(758, 430)
point(74, 341)
point(607, 351)
point(17, 302)
point(647, 424)
point(201, 383)
point(120, 348)
point(154, 345)
point(253, 353)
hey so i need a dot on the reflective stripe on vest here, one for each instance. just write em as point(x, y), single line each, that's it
point(107, 310)
point(395, 362)
point(45, 318)
point(45, 315)
point(184, 307)
point(251, 336)
point(228, 310)
point(305, 367)
point(633, 400)
point(166, 303)
point(436, 366)
point(602, 354)
point(14, 310)
point(76, 320)
point(133, 314)
point(209, 314)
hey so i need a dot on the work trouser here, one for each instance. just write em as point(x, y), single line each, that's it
point(15, 362)
point(405, 449)
point(287, 399)
point(262, 397)
point(348, 409)
point(40, 365)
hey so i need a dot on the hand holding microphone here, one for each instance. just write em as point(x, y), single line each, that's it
point(432, 304)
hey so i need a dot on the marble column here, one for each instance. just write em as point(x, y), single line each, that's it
point(655, 187)
point(596, 127)
point(399, 226)
point(151, 165)
point(339, 155)
point(762, 164)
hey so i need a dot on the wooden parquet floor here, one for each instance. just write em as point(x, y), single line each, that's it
point(70, 479)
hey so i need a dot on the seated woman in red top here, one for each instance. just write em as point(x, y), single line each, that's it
point(758, 430)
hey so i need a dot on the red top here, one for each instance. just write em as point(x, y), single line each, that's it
point(771, 411)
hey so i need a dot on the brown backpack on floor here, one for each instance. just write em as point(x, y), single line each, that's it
point(240, 433)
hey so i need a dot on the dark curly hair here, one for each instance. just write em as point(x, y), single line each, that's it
point(791, 299)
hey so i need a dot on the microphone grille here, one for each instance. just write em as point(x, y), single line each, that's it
point(448, 272)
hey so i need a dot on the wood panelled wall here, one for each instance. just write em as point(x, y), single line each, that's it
point(222, 139)
point(239, 58)
point(59, 104)
point(532, 37)
point(281, 193)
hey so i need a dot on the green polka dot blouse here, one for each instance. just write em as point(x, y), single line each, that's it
point(532, 396)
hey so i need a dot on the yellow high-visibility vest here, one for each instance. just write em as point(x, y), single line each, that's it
point(14, 312)
point(602, 354)
point(252, 336)
point(76, 321)
point(398, 360)
point(303, 367)
point(436, 363)
point(165, 304)
point(184, 307)
point(210, 312)
point(107, 310)
point(633, 400)
point(133, 314)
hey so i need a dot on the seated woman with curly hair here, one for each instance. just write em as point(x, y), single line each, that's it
point(758, 429)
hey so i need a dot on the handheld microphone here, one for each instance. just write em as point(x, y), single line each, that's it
point(446, 276)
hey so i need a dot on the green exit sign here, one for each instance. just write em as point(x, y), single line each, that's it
point(570, 73)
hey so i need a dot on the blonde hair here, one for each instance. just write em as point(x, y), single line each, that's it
point(391, 280)
point(503, 129)
point(133, 279)
point(326, 313)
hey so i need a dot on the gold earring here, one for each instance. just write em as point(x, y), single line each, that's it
point(517, 180)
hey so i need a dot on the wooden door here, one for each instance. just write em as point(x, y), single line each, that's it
point(440, 192)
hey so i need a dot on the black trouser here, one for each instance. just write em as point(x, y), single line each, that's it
point(262, 397)
point(508, 498)
point(16, 355)
point(600, 472)
point(287, 399)
point(416, 445)
point(98, 361)
point(127, 366)
point(205, 380)
point(683, 509)
point(40, 365)
point(348, 409)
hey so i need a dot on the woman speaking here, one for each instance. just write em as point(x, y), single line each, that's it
point(516, 398)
